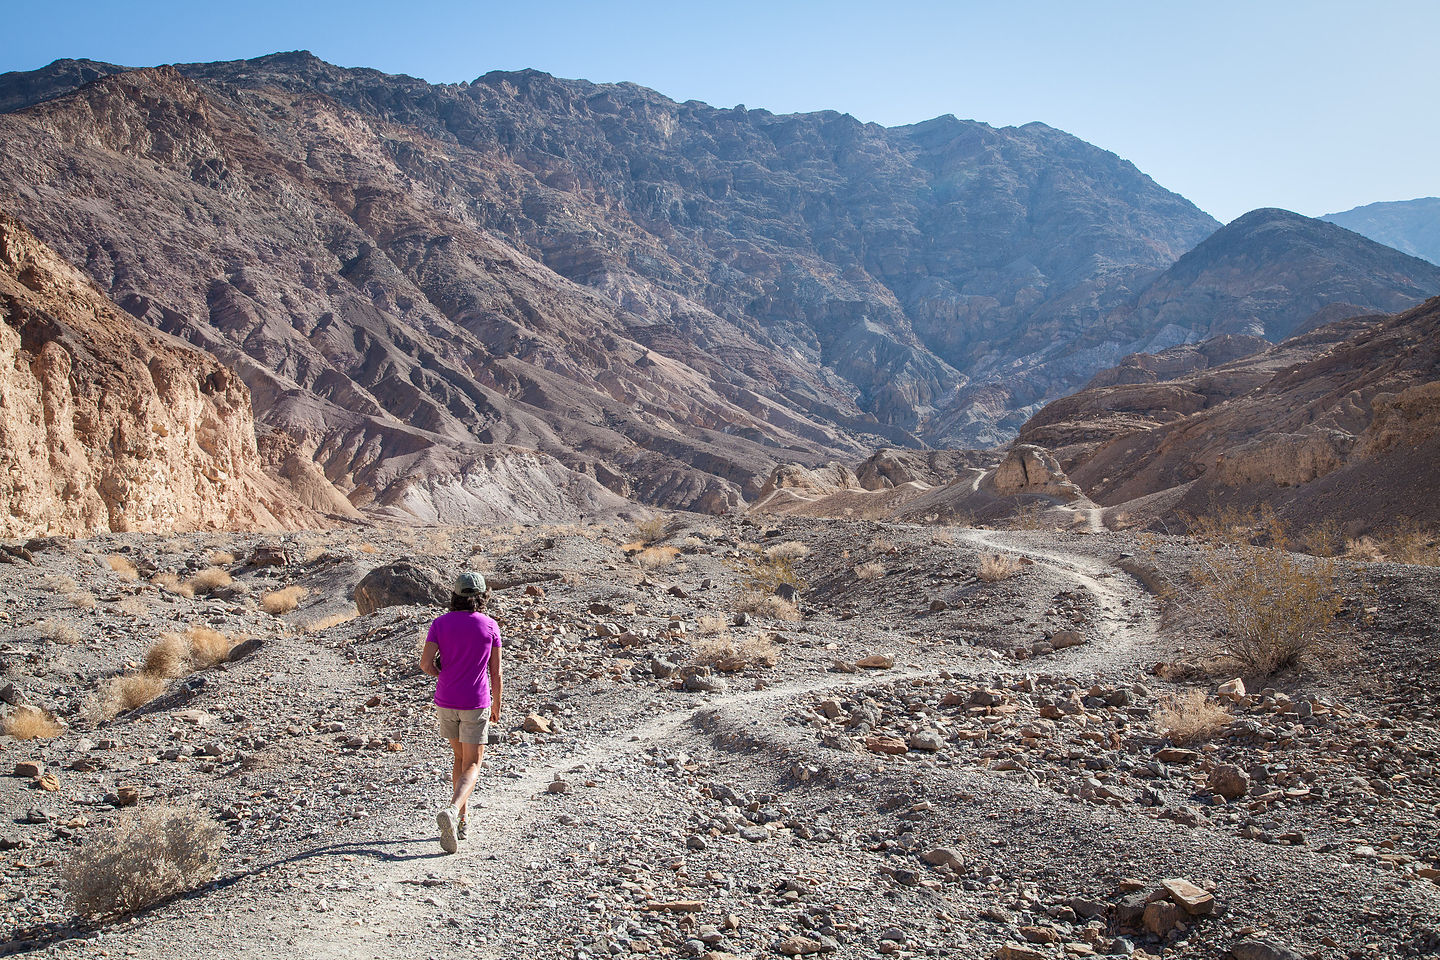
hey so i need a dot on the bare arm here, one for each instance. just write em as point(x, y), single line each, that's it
point(427, 659)
point(497, 684)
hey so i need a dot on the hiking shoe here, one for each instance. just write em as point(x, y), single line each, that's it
point(446, 820)
point(460, 830)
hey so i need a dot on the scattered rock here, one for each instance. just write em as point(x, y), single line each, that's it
point(402, 583)
point(876, 661)
point(1228, 781)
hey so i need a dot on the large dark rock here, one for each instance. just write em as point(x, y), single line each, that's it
point(403, 583)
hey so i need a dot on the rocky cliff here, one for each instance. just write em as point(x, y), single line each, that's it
point(1341, 422)
point(108, 425)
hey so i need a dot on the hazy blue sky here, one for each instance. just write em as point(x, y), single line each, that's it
point(1314, 106)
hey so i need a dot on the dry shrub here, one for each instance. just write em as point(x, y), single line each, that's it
point(1409, 543)
point(169, 656)
point(1364, 550)
point(334, 620)
point(170, 582)
point(1190, 717)
point(709, 625)
point(871, 570)
point(82, 600)
point(207, 646)
point(368, 548)
point(1027, 517)
point(654, 558)
point(130, 691)
point(882, 545)
point(58, 583)
point(313, 554)
point(211, 578)
point(31, 723)
point(650, 529)
point(692, 543)
point(1323, 539)
point(767, 605)
point(276, 602)
point(122, 566)
point(145, 856)
point(748, 651)
point(789, 550)
point(59, 631)
point(1277, 610)
point(133, 606)
point(995, 567)
point(221, 558)
point(713, 532)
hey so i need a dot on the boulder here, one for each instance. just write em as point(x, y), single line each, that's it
point(1229, 781)
point(403, 583)
point(1033, 470)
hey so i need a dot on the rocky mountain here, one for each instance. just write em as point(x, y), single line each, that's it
point(664, 299)
point(1271, 271)
point(527, 296)
point(1411, 226)
point(1341, 423)
point(109, 425)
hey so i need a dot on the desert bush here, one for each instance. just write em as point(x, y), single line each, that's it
point(1323, 539)
point(650, 529)
point(276, 602)
point(654, 558)
point(767, 605)
point(709, 625)
point(368, 548)
point(211, 578)
point(207, 646)
point(995, 567)
point(221, 558)
point(1407, 542)
point(871, 570)
point(1276, 608)
point(882, 544)
point(692, 543)
point(789, 550)
point(1190, 717)
point(133, 606)
point(1363, 549)
point(747, 651)
point(122, 567)
point(145, 856)
point(59, 631)
point(170, 582)
point(1027, 517)
point(31, 723)
point(334, 620)
point(168, 656)
point(82, 600)
point(131, 690)
point(58, 583)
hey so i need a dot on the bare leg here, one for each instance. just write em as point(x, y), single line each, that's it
point(465, 772)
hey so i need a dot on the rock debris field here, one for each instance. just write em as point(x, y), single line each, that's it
point(736, 737)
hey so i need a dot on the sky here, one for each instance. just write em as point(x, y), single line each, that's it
point(1314, 106)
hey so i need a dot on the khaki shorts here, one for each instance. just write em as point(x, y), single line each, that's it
point(467, 726)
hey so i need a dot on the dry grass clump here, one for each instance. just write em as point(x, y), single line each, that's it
point(169, 656)
point(131, 690)
point(732, 654)
point(133, 606)
point(31, 723)
point(82, 600)
point(882, 545)
point(789, 550)
point(692, 543)
point(207, 646)
point(650, 529)
point(368, 548)
point(122, 567)
point(1190, 717)
point(1277, 609)
point(59, 631)
point(58, 583)
point(995, 567)
point(148, 855)
point(171, 583)
point(654, 558)
point(276, 602)
point(209, 579)
point(871, 570)
point(334, 620)
point(768, 605)
point(709, 625)
point(221, 558)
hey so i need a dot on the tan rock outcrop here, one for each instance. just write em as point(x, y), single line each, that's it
point(1031, 469)
point(109, 426)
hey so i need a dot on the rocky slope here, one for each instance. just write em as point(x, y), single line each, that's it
point(667, 296)
point(108, 425)
point(1339, 423)
point(1411, 226)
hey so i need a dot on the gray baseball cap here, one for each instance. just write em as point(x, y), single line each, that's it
point(469, 584)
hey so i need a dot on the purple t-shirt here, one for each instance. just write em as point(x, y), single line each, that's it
point(465, 641)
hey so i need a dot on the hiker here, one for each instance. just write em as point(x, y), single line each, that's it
point(462, 651)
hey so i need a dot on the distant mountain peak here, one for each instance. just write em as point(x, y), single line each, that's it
point(1411, 226)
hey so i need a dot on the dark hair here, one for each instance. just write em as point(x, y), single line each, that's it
point(475, 603)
